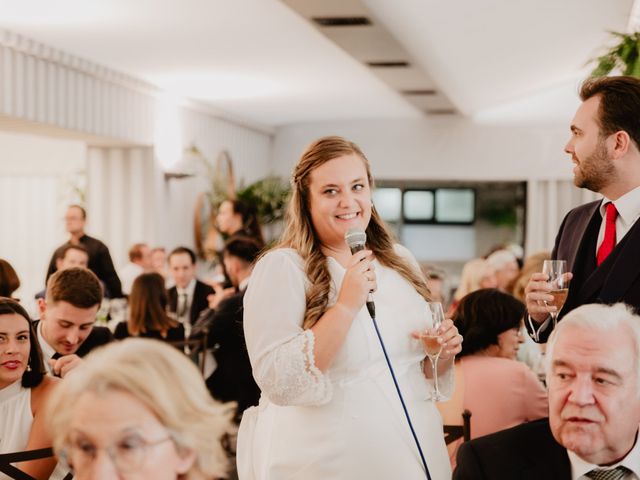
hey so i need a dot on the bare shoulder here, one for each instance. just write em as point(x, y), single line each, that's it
point(40, 393)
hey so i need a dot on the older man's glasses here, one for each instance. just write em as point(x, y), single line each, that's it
point(127, 454)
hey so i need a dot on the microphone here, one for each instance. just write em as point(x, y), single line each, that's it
point(356, 240)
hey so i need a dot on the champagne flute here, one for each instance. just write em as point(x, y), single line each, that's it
point(556, 270)
point(432, 346)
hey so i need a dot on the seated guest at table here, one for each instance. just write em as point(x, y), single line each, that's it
point(594, 408)
point(499, 391)
point(189, 295)
point(232, 379)
point(24, 389)
point(68, 256)
point(476, 274)
point(139, 409)
point(139, 263)
point(148, 312)
point(9, 281)
point(505, 264)
point(66, 330)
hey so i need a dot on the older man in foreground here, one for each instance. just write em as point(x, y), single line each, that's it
point(594, 408)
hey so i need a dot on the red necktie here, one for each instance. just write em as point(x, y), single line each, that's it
point(609, 241)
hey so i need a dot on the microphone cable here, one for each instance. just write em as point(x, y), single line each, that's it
point(395, 382)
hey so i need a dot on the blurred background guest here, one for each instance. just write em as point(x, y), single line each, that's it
point(532, 264)
point(24, 389)
point(159, 264)
point(476, 274)
point(100, 261)
point(437, 284)
point(499, 391)
point(237, 217)
point(148, 315)
point(232, 379)
point(9, 281)
point(68, 256)
point(139, 409)
point(139, 263)
point(505, 264)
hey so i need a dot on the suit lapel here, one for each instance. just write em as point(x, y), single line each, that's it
point(578, 235)
point(550, 464)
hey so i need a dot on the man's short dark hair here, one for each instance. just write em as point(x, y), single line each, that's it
point(82, 210)
point(78, 286)
point(245, 248)
point(186, 250)
point(62, 252)
point(619, 104)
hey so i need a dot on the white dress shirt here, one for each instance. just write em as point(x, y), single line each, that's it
point(580, 467)
point(47, 350)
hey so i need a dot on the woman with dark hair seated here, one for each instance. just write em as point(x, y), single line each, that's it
point(9, 281)
point(24, 389)
point(499, 391)
point(148, 312)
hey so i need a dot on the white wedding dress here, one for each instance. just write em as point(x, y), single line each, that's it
point(347, 423)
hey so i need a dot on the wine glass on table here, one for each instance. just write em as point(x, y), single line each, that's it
point(432, 346)
point(558, 279)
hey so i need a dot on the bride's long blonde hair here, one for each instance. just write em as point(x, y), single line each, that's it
point(300, 234)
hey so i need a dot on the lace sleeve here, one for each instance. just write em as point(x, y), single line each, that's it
point(293, 378)
point(281, 352)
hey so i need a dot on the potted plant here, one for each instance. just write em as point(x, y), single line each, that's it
point(624, 56)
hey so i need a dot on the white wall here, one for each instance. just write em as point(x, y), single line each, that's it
point(440, 149)
point(37, 176)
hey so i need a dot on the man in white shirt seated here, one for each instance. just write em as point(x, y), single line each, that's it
point(594, 408)
point(139, 262)
point(66, 329)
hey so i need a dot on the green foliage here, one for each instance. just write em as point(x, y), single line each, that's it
point(269, 195)
point(624, 56)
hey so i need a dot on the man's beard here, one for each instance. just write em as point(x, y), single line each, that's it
point(596, 171)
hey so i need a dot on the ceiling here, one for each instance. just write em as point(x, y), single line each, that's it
point(494, 61)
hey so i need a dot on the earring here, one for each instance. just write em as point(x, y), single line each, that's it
point(28, 367)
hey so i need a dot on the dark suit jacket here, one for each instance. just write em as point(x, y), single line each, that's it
point(99, 336)
point(100, 263)
point(232, 379)
point(199, 302)
point(525, 452)
point(617, 279)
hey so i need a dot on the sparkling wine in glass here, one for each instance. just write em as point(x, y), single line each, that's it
point(432, 346)
point(558, 279)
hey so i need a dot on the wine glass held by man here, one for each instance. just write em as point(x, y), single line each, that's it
point(329, 408)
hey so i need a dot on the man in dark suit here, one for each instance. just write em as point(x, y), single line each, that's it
point(232, 379)
point(66, 330)
point(594, 408)
point(599, 240)
point(189, 295)
point(100, 261)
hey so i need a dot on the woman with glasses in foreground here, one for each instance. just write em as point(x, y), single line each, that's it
point(138, 409)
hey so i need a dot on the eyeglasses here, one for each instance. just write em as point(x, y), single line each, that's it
point(127, 454)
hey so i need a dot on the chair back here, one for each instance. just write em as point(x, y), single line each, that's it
point(454, 432)
point(7, 459)
point(195, 349)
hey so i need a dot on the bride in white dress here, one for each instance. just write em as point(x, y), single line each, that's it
point(329, 409)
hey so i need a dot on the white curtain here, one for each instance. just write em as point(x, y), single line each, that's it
point(548, 201)
point(121, 198)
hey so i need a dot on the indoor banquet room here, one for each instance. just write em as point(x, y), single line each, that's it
point(211, 208)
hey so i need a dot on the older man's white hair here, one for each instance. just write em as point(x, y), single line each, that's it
point(500, 258)
point(598, 317)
